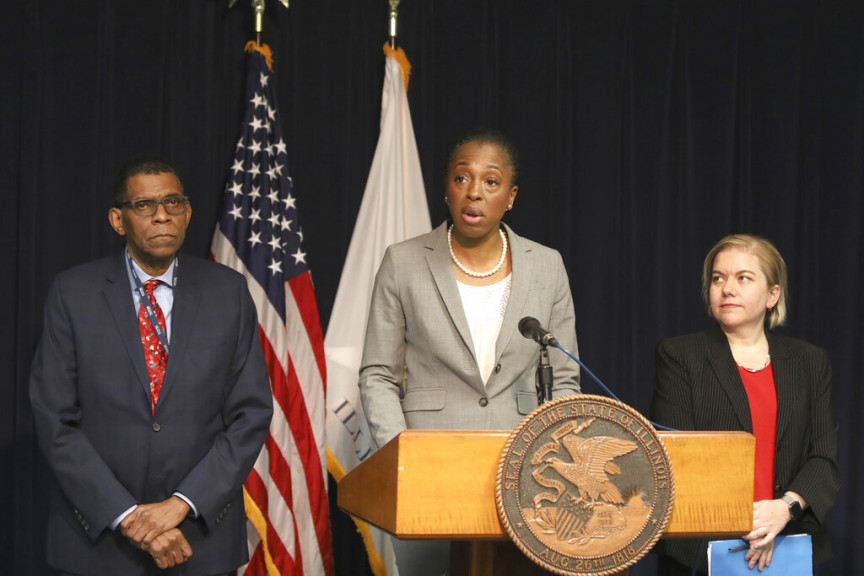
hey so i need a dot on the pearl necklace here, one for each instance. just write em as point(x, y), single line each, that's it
point(754, 370)
point(471, 272)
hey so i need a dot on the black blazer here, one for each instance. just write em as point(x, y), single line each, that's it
point(697, 387)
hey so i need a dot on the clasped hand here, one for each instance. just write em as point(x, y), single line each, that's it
point(769, 519)
point(153, 528)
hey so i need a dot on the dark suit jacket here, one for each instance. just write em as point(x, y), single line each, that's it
point(697, 387)
point(91, 405)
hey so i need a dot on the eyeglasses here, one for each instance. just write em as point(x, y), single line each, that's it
point(144, 207)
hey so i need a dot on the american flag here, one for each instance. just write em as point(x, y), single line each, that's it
point(259, 236)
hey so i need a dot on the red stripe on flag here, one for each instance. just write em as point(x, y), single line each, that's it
point(289, 396)
point(304, 295)
point(279, 469)
point(258, 492)
point(256, 566)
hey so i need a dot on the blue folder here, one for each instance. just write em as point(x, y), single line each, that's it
point(793, 556)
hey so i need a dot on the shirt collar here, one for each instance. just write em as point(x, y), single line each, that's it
point(166, 277)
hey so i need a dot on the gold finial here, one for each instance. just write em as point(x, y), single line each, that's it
point(258, 8)
point(394, 15)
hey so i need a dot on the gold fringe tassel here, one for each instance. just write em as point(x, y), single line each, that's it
point(264, 49)
point(254, 514)
point(375, 563)
point(400, 57)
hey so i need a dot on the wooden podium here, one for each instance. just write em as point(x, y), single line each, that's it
point(440, 484)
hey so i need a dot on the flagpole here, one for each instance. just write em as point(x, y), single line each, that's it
point(258, 7)
point(394, 15)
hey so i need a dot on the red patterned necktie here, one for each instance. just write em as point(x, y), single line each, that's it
point(154, 353)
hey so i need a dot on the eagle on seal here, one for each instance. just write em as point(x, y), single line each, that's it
point(592, 463)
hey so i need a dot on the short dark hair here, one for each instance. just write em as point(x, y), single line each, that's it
point(488, 136)
point(146, 164)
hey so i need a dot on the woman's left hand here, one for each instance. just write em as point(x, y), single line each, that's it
point(769, 519)
point(760, 556)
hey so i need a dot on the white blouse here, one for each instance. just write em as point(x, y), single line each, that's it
point(484, 308)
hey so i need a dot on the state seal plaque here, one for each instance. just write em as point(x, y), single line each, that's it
point(584, 486)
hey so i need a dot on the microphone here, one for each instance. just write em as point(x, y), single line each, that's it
point(530, 328)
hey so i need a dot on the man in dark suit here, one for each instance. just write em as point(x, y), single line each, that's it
point(150, 396)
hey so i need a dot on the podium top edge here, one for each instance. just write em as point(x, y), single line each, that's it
point(703, 434)
point(416, 433)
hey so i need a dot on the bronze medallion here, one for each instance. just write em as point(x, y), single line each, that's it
point(584, 486)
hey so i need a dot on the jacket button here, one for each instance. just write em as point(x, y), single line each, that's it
point(156, 427)
point(483, 402)
point(497, 368)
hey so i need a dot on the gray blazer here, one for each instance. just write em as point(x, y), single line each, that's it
point(417, 331)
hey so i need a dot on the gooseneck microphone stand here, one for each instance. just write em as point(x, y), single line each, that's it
point(543, 377)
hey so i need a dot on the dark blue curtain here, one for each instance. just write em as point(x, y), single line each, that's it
point(648, 128)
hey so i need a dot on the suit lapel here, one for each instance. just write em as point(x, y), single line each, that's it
point(784, 383)
point(724, 367)
point(117, 292)
point(520, 282)
point(441, 268)
point(186, 301)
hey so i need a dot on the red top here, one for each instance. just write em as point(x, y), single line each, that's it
point(762, 395)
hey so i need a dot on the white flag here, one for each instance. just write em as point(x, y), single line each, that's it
point(393, 209)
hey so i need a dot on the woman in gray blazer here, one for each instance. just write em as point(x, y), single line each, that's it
point(739, 376)
point(443, 349)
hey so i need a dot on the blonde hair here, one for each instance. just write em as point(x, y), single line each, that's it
point(770, 260)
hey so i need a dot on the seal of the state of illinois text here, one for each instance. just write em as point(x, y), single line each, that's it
point(584, 486)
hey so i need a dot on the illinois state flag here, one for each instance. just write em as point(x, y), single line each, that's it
point(259, 236)
point(393, 209)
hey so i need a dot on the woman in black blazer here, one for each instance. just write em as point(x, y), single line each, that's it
point(739, 376)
